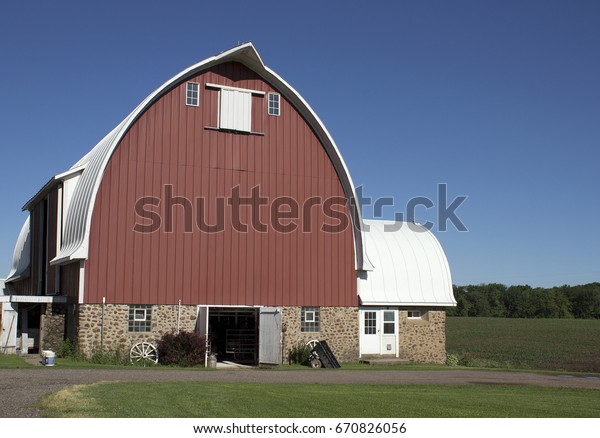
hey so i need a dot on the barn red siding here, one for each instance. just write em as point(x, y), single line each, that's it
point(169, 144)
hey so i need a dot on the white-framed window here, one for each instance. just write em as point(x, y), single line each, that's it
point(370, 323)
point(192, 94)
point(140, 318)
point(389, 322)
point(273, 100)
point(139, 314)
point(414, 314)
point(310, 319)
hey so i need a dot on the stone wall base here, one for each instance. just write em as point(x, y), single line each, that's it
point(114, 334)
point(419, 340)
point(338, 326)
point(52, 327)
point(423, 340)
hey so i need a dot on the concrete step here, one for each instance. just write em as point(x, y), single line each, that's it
point(383, 360)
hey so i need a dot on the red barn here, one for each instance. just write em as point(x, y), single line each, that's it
point(221, 204)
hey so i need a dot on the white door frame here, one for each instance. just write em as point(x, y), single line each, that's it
point(372, 338)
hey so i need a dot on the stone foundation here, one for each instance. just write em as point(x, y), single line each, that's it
point(116, 334)
point(419, 340)
point(423, 340)
point(338, 326)
point(52, 327)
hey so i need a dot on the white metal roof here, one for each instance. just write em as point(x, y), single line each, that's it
point(78, 218)
point(409, 267)
point(21, 255)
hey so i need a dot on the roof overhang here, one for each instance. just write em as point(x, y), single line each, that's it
point(34, 299)
point(50, 185)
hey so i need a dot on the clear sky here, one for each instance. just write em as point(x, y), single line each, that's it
point(498, 99)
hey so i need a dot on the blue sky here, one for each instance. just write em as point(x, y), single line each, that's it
point(498, 99)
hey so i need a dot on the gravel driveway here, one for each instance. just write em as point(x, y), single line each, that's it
point(21, 388)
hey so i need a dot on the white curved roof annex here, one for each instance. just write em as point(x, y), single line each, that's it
point(410, 267)
point(78, 218)
point(21, 255)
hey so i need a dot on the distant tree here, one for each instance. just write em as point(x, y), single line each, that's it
point(523, 301)
point(585, 300)
point(479, 303)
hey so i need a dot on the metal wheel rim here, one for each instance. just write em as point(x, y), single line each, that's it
point(312, 343)
point(143, 353)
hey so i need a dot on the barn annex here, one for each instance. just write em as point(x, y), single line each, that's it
point(221, 204)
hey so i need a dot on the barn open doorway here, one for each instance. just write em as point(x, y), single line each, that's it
point(245, 335)
point(28, 328)
point(233, 334)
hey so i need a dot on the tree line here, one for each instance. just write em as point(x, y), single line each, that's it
point(498, 300)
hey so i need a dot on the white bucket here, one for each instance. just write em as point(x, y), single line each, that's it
point(48, 358)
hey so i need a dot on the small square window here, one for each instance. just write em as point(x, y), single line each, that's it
point(273, 104)
point(139, 314)
point(192, 94)
point(414, 314)
point(140, 318)
point(310, 319)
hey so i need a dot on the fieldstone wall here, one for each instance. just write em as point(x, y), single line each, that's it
point(52, 330)
point(423, 340)
point(116, 326)
point(338, 326)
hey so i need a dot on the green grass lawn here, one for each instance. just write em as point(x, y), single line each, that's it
point(543, 344)
point(221, 400)
point(12, 361)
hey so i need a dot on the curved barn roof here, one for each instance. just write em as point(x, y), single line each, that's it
point(78, 218)
point(21, 255)
point(410, 267)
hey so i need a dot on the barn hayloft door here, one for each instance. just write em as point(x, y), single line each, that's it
point(269, 343)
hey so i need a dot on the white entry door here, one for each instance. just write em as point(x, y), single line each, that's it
point(378, 331)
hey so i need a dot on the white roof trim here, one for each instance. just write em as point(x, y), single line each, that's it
point(227, 87)
point(410, 267)
point(33, 299)
point(70, 173)
point(78, 218)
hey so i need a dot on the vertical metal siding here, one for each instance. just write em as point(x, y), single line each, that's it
point(170, 145)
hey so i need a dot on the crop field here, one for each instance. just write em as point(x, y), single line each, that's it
point(541, 344)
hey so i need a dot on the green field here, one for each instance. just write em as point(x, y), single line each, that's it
point(12, 361)
point(237, 400)
point(542, 344)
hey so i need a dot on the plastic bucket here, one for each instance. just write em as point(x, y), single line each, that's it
point(48, 358)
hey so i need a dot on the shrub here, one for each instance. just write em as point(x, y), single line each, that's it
point(185, 349)
point(111, 357)
point(452, 360)
point(67, 350)
point(299, 353)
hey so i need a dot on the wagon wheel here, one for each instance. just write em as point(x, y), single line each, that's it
point(143, 353)
point(312, 344)
point(313, 360)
